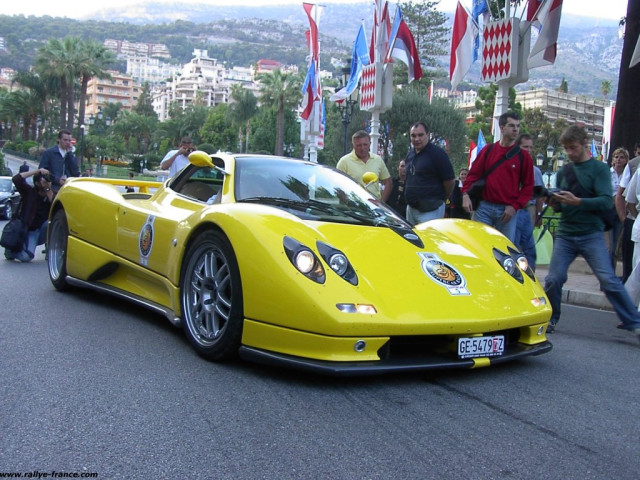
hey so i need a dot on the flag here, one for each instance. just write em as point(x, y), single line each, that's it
point(359, 58)
point(532, 9)
point(464, 31)
point(479, 7)
point(544, 50)
point(314, 43)
point(635, 58)
point(402, 47)
point(594, 150)
point(473, 153)
point(310, 90)
point(476, 147)
point(609, 115)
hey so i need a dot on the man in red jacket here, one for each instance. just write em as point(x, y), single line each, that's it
point(509, 187)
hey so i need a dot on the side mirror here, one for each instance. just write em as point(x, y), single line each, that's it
point(200, 159)
point(368, 178)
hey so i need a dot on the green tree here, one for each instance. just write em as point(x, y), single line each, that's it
point(93, 59)
point(446, 125)
point(281, 91)
point(144, 105)
point(429, 29)
point(241, 110)
point(218, 130)
point(564, 86)
point(605, 88)
point(59, 58)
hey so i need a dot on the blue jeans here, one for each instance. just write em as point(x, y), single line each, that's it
point(415, 216)
point(34, 238)
point(524, 237)
point(594, 250)
point(490, 214)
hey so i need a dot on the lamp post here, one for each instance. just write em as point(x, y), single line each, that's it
point(549, 172)
point(346, 107)
point(82, 127)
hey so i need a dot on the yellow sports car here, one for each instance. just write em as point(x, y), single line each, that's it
point(291, 263)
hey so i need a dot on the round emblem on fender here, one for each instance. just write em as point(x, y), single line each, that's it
point(146, 239)
point(443, 274)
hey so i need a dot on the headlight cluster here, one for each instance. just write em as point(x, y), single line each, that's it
point(307, 262)
point(514, 263)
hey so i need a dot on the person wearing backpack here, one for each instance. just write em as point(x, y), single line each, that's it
point(508, 173)
point(583, 199)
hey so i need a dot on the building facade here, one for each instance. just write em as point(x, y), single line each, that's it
point(580, 110)
point(120, 88)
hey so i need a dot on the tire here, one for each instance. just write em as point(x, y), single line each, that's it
point(211, 297)
point(8, 210)
point(57, 238)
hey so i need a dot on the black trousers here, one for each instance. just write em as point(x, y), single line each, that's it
point(627, 249)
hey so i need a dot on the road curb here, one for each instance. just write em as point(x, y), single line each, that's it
point(586, 299)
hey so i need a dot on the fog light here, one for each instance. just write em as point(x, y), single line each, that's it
point(360, 346)
point(540, 331)
point(366, 309)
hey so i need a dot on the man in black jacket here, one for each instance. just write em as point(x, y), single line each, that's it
point(60, 161)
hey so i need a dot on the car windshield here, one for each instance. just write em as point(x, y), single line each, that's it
point(5, 184)
point(310, 191)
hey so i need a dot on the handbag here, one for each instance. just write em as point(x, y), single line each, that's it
point(14, 234)
point(477, 188)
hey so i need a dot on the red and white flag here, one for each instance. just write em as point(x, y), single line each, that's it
point(314, 43)
point(545, 49)
point(464, 31)
point(402, 47)
point(532, 9)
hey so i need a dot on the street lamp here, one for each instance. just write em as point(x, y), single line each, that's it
point(82, 127)
point(561, 160)
point(346, 106)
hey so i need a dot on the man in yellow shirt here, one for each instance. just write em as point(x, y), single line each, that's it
point(360, 160)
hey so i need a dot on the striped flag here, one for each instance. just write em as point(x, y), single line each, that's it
point(464, 31)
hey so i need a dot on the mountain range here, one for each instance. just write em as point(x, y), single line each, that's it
point(589, 49)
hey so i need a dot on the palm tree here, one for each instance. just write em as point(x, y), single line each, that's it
point(605, 88)
point(241, 111)
point(93, 59)
point(280, 91)
point(59, 58)
point(40, 89)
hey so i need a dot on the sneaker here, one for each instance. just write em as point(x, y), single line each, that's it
point(551, 327)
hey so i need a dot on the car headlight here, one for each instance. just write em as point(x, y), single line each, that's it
point(304, 260)
point(338, 262)
point(514, 263)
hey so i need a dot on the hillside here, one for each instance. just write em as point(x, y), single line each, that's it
point(589, 49)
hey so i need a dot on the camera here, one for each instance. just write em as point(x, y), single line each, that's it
point(542, 192)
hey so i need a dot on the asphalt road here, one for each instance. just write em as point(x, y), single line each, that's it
point(90, 384)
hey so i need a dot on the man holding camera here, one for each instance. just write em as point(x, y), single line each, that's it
point(60, 161)
point(175, 160)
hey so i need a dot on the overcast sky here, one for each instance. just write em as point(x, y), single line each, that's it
point(613, 9)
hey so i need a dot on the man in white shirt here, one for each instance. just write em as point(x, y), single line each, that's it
point(175, 160)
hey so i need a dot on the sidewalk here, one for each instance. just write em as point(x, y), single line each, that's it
point(582, 287)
